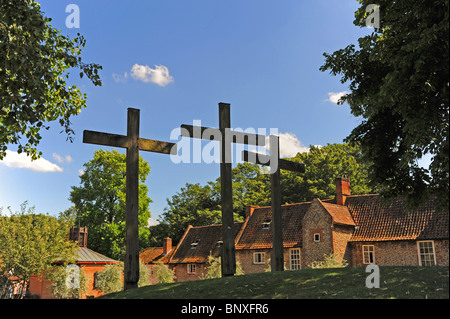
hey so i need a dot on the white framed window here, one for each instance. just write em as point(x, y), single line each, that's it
point(368, 254)
point(317, 237)
point(259, 258)
point(294, 259)
point(425, 249)
point(191, 268)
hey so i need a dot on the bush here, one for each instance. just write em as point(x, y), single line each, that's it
point(329, 261)
point(163, 274)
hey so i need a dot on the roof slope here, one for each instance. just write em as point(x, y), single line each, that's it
point(86, 255)
point(340, 214)
point(254, 236)
point(152, 255)
point(200, 242)
point(380, 221)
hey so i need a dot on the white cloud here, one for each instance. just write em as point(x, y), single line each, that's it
point(159, 75)
point(334, 97)
point(152, 222)
point(290, 145)
point(13, 159)
point(61, 159)
point(120, 78)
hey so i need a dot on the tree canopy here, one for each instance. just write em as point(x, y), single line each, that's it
point(35, 59)
point(99, 202)
point(399, 85)
point(30, 243)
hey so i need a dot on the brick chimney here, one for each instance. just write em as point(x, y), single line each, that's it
point(167, 245)
point(249, 209)
point(342, 189)
point(79, 235)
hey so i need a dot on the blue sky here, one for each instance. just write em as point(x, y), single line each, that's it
point(175, 61)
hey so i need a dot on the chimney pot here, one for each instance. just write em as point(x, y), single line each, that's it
point(342, 189)
point(79, 235)
point(167, 245)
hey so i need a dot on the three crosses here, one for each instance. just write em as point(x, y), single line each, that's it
point(133, 143)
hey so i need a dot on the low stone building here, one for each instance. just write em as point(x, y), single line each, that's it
point(362, 229)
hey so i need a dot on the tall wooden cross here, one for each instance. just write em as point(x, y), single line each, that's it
point(277, 233)
point(226, 137)
point(133, 143)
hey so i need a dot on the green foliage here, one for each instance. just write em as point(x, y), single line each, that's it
point(143, 275)
point(60, 289)
point(163, 273)
point(399, 82)
point(34, 63)
point(215, 268)
point(329, 261)
point(30, 243)
point(100, 202)
point(110, 279)
point(323, 165)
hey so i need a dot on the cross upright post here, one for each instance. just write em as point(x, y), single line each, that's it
point(228, 250)
point(226, 137)
point(133, 143)
point(275, 163)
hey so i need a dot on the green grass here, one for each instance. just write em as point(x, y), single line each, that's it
point(395, 282)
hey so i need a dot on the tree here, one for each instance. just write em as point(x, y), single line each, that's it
point(193, 205)
point(399, 82)
point(100, 202)
point(34, 63)
point(30, 243)
point(323, 165)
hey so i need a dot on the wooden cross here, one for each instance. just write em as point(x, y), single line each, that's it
point(133, 144)
point(226, 138)
point(277, 234)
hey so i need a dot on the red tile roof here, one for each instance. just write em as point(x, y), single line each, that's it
point(390, 221)
point(200, 242)
point(339, 214)
point(255, 237)
point(153, 255)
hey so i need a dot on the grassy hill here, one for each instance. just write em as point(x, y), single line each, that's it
point(395, 282)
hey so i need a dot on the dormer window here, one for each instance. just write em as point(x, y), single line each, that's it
point(219, 243)
point(266, 223)
point(194, 244)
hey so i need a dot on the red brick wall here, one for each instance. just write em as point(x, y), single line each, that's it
point(398, 253)
point(182, 274)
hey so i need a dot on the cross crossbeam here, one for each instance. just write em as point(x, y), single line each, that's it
point(133, 144)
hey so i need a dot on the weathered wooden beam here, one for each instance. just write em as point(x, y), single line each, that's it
point(262, 159)
point(277, 259)
point(131, 263)
point(213, 134)
point(157, 146)
point(228, 263)
point(115, 140)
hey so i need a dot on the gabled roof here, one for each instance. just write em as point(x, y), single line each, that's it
point(88, 256)
point(153, 255)
point(339, 214)
point(256, 236)
point(380, 221)
point(200, 242)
